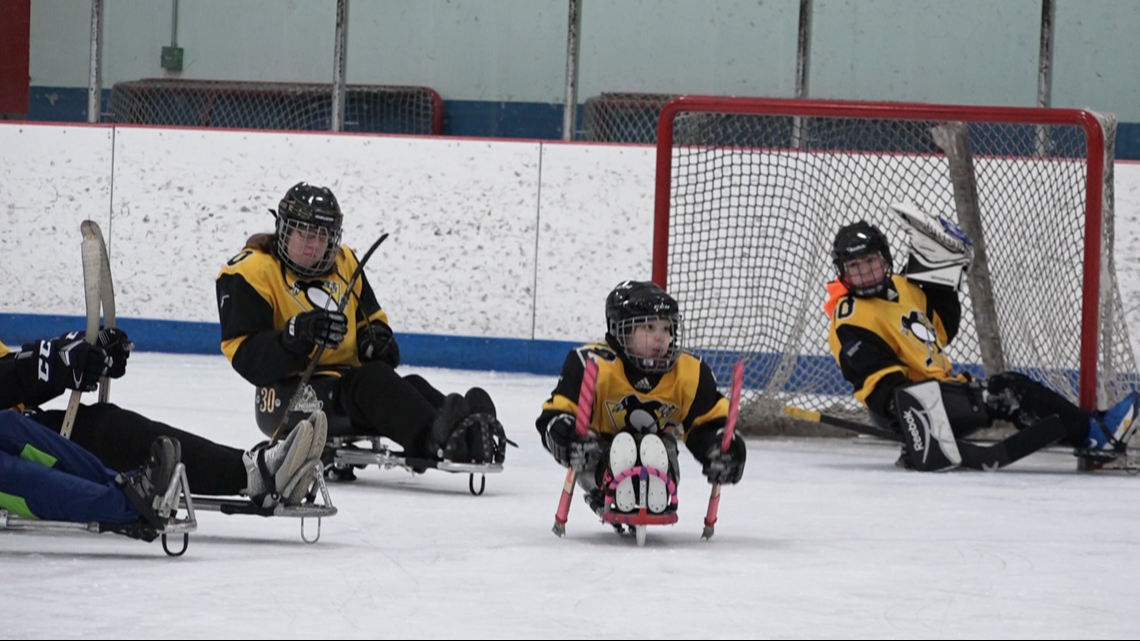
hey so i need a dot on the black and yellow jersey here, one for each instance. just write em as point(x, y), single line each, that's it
point(886, 341)
point(257, 295)
point(680, 401)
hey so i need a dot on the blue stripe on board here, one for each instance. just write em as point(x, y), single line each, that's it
point(427, 350)
point(810, 374)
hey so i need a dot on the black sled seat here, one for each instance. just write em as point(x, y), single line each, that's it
point(348, 448)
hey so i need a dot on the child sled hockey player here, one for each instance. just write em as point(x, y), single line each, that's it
point(900, 371)
point(648, 394)
point(297, 294)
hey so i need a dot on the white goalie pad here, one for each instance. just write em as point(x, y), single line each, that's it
point(926, 429)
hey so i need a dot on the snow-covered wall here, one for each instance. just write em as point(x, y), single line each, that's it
point(500, 256)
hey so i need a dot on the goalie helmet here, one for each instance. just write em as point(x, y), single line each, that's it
point(633, 304)
point(854, 243)
point(308, 218)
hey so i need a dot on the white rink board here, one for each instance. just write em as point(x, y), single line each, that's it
point(52, 178)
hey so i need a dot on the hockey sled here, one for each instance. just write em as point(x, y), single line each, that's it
point(346, 454)
point(308, 509)
point(174, 524)
point(640, 518)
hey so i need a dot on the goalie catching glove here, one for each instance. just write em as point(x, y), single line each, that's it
point(940, 252)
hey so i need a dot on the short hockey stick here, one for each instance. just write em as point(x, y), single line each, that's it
point(581, 429)
point(91, 289)
point(321, 350)
point(106, 295)
point(726, 441)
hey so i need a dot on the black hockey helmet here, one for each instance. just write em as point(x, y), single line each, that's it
point(313, 210)
point(636, 302)
point(856, 241)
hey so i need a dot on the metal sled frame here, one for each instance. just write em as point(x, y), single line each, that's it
point(379, 454)
point(174, 525)
point(308, 509)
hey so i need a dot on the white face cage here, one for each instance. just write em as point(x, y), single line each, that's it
point(652, 343)
point(288, 229)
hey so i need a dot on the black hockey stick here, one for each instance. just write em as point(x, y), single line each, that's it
point(975, 456)
point(321, 350)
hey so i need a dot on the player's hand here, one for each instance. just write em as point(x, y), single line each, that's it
point(376, 343)
point(315, 328)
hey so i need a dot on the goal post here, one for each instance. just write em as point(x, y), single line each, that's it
point(750, 194)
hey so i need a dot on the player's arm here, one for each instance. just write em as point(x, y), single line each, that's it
point(943, 306)
point(374, 338)
point(13, 391)
point(871, 366)
point(940, 255)
point(704, 432)
point(564, 399)
point(250, 339)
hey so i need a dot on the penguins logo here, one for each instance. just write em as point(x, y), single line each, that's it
point(920, 328)
point(317, 293)
point(644, 417)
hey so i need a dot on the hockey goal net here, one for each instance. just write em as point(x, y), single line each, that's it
point(281, 106)
point(750, 194)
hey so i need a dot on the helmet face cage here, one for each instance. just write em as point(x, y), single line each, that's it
point(311, 211)
point(637, 304)
point(287, 228)
point(854, 244)
point(634, 340)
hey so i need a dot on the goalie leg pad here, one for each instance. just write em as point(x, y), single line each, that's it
point(926, 430)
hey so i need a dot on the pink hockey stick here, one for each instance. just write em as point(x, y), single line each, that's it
point(581, 428)
point(729, 429)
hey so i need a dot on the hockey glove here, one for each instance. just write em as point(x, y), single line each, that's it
point(118, 347)
point(940, 252)
point(376, 343)
point(314, 328)
point(725, 468)
point(570, 451)
point(64, 362)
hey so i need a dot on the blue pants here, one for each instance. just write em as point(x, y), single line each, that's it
point(45, 476)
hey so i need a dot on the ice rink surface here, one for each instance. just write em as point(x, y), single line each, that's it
point(822, 538)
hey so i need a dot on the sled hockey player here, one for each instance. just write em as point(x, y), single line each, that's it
point(122, 439)
point(278, 305)
point(44, 476)
point(888, 334)
point(649, 394)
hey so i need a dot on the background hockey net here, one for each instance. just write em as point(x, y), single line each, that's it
point(623, 117)
point(282, 106)
point(750, 194)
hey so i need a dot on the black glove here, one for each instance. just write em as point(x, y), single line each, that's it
point(314, 328)
point(63, 362)
point(725, 468)
point(376, 343)
point(570, 451)
point(118, 347)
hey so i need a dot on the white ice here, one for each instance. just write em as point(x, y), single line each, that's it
point(822, 538)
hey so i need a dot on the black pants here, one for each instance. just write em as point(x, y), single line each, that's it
point(1035, 402)
point(378, 401)
point(122, 438)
